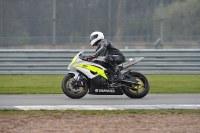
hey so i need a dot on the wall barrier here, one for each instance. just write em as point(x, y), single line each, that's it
point(156, 61)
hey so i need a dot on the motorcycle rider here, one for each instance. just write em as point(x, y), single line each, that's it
point(113, 56)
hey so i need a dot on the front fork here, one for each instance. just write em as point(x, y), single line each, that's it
point(77, 81)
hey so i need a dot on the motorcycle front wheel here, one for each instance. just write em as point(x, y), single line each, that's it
point(71, 89)
point(140, 90)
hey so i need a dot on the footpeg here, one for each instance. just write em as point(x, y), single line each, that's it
point(112, 85)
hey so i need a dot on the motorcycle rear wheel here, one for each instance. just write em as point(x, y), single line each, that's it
point(70, 91)
point(137, 91)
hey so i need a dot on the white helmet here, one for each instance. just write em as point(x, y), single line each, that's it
point(96, 36)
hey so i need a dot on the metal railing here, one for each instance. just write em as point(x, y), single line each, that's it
point(156, 61)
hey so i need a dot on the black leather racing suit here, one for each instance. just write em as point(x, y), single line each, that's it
point(113, 56)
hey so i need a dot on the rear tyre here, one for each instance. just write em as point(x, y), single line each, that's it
point(72, 90)
point(137, 91)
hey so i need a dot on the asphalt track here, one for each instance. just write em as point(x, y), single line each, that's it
point(99, 102)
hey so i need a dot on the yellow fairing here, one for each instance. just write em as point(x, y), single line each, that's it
point(73, 60)
point(93, 69)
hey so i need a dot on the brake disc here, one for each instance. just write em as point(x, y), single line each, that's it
point(72, 87)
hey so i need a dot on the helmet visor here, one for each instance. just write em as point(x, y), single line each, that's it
point(93, 37)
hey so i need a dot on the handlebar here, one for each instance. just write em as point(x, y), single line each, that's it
point(85, 58)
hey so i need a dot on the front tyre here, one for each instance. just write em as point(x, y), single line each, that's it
point(137, 91)
point(73, 88)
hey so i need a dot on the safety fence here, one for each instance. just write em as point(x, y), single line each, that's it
point(156, 61)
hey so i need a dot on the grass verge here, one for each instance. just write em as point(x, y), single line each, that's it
point(51, 84)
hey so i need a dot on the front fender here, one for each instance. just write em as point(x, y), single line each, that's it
point(75, 74)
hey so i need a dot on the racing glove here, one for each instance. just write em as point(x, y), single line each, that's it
point(91, 57)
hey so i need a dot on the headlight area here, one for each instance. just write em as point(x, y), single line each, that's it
point(73, 61)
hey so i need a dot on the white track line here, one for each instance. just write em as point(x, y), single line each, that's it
point(100, 107)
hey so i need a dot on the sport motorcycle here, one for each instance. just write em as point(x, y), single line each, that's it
point(96, 77)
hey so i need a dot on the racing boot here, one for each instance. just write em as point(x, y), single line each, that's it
point(120, 76)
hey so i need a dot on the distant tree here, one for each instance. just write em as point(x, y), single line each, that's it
point(181, 18)
point(13, 25)
point(138, 17)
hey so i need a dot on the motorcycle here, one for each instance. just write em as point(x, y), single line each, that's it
point(96, 77)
